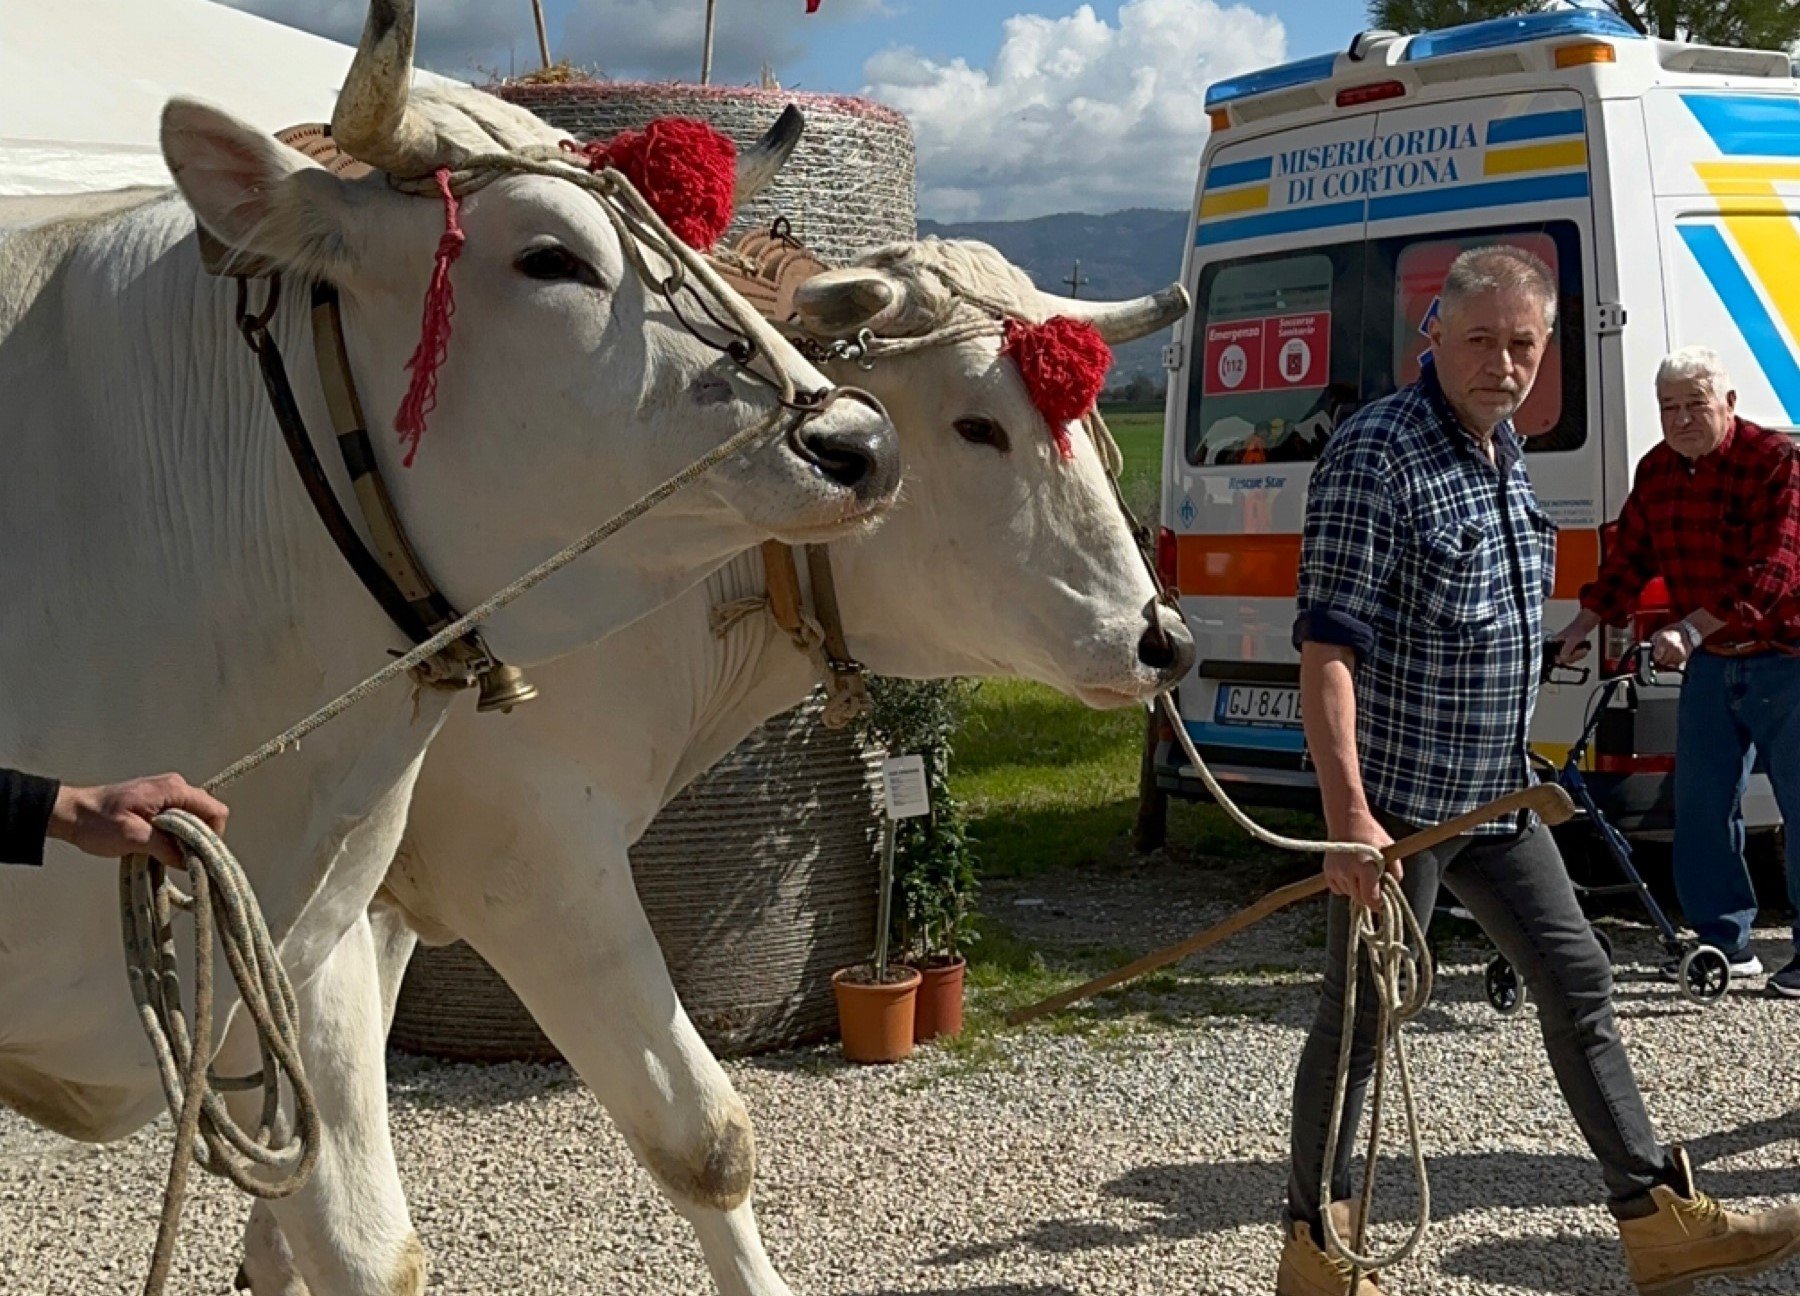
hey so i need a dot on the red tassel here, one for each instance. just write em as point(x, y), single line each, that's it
point(434, 330)
point(1063, 362)
point(685, 170)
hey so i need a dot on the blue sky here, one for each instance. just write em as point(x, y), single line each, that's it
point(1019, 107)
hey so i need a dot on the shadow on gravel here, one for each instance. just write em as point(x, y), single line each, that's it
point(1196, 1199)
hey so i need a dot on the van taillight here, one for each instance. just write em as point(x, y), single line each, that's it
point(1165, 557)
point(1362, 94)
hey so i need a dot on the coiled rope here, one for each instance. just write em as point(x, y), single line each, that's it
point(1390, 939)
point(276, 1160)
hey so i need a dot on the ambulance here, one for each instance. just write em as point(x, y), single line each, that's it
point(1660, 182)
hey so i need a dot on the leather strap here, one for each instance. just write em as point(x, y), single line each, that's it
point(783, 580)
point(390, 572)
point(325, 502)
point(824, 592)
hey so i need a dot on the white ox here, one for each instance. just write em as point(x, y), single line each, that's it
point(1002, 559)
point(169, 599)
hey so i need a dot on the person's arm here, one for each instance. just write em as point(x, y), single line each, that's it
point(111, 821)
point(1328, 709)
point(26, 805)
point(1771, 565)
point(1630, 563)
point(1347, 556)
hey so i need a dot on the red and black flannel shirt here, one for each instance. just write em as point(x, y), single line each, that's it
point(1722, 531)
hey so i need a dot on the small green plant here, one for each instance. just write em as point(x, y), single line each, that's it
point(935, 880)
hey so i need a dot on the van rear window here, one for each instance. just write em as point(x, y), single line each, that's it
point(1290, 343)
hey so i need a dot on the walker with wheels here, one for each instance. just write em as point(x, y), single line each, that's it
point(1703, 972)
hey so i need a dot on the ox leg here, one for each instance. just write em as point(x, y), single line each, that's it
point(347, 1232)
point(586, 963)
point(269, 1268)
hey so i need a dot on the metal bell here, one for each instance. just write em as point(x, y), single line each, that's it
point(504, 687)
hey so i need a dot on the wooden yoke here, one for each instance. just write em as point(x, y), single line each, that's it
point(1548, 800)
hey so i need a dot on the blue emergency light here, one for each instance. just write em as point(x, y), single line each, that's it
point(1496, 32)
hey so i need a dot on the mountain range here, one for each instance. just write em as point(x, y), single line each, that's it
point(1122, 254)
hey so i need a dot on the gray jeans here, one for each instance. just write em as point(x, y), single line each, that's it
point(1518, 890)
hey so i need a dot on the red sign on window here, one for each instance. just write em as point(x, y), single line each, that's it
point(1296, 351)
point(1234, 357)
point(1276, 353)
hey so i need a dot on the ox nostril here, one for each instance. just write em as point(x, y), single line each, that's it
point(863, 457)
point(1166, 647)
point(848, 458)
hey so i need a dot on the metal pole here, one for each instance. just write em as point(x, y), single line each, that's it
point(884, 903)
point(537, 11)
point(706, 50)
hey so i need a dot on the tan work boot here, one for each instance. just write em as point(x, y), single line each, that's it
point(1308, 1270)
point(1692, 1237)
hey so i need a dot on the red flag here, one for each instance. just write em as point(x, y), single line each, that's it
point(812, 6)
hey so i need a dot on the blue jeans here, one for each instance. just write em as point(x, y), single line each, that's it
point(1731, 708)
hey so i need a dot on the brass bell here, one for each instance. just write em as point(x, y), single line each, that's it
point(504, 687)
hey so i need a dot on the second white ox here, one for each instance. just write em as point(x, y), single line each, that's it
point(169, 599)
point(1002, 559)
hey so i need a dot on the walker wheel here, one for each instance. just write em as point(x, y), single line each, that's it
point(1705, 974)
point(1504, 989)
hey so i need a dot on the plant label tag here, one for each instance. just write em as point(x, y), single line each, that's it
point(903, 787)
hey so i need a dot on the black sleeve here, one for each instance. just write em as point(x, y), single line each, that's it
point(25, 805)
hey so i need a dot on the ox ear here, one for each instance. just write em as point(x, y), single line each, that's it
point(256, 195)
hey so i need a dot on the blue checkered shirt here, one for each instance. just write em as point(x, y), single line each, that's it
point(1433, 565)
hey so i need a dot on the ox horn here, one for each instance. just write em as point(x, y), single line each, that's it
point(374, 120)
point(759, 164)
point(1124, 321)
point(840, 303)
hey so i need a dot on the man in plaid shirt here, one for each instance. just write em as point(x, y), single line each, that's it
point(1425, 562)
point(1715, 511)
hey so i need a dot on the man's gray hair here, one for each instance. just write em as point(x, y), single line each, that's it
point(1699, 364)
point(1499, 267)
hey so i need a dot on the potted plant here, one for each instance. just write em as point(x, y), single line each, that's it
point(935, 887)
point(875, 1002)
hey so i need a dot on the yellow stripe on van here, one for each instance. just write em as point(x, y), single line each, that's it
point(1746, 179)
point(1535, 157)
point(1254, 198)
point(1747, 195)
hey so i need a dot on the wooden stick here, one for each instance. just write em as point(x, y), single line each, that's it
point(1549, 800)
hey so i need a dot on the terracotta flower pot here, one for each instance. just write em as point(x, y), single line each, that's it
point(875, 1021)
point(940, 1006)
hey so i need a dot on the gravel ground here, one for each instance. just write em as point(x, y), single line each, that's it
point(1133, 1147)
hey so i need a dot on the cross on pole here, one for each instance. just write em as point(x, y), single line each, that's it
point(1075, 279)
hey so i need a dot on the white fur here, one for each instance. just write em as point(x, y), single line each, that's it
point(171, 601)
point(1002, 565)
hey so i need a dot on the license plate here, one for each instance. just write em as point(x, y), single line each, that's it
point(1258, 704)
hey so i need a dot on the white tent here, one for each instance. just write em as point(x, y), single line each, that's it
point(83, 83)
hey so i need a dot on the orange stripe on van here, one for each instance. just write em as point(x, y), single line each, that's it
point(1268, 566)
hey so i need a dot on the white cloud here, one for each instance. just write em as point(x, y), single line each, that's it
point(1074, 114)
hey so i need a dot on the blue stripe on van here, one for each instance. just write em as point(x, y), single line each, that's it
point(1493, 193)
point(1220, 735)
point(1533, 126)
point(1289, 220)
point(1749, 125)
point(1237, 173)
point(1746, 309)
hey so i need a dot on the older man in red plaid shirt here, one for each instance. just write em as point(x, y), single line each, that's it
point(1715, 511)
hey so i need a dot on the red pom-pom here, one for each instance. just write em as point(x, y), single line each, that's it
point(686, 171)
point(1063, 362)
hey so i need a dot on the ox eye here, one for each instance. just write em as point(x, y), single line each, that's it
point(982, 431)
point(554, 263)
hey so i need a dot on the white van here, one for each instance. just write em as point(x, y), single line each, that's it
point(1659, 181)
